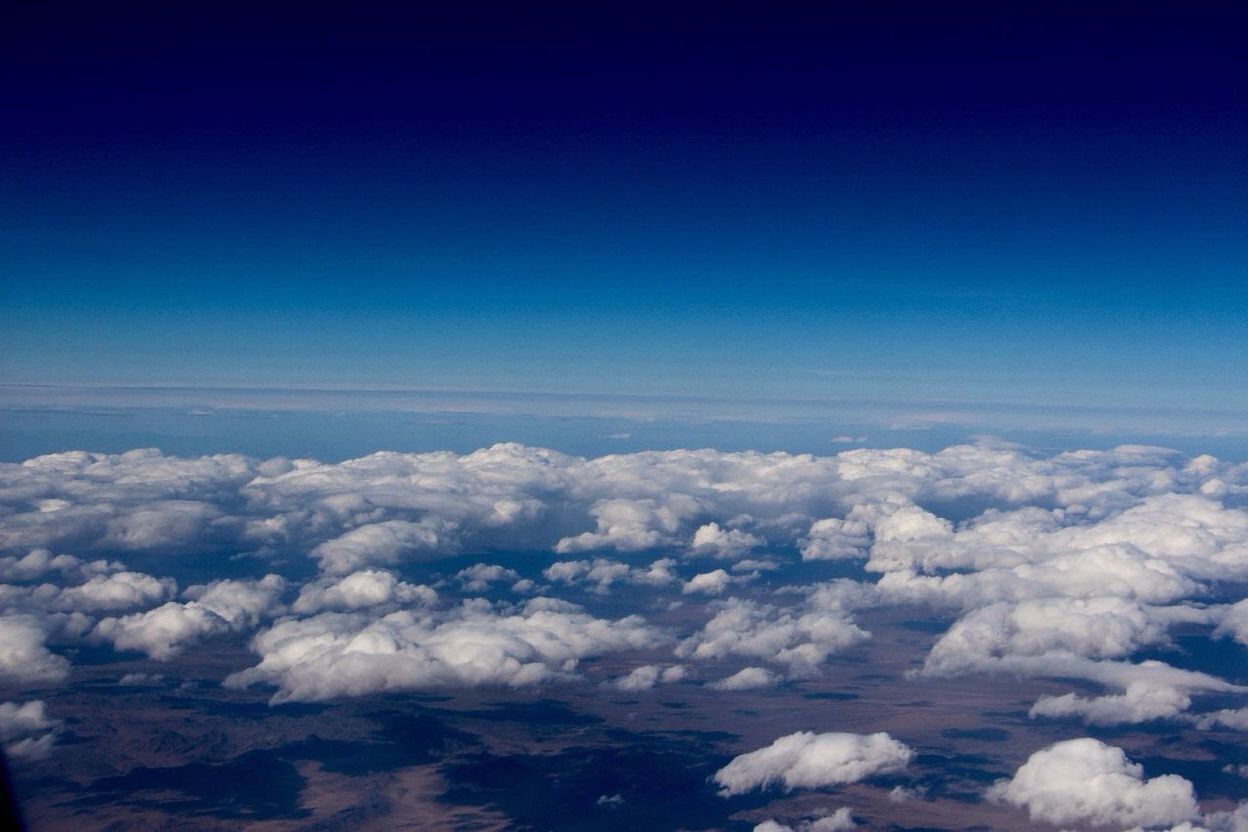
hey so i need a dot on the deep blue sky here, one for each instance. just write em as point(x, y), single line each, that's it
point(1040, 206)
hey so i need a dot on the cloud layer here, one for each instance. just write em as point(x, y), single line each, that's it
point(1063, 565)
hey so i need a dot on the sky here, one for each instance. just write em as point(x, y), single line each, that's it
point(985, 206)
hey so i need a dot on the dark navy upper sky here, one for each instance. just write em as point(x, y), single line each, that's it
point(1026, 203)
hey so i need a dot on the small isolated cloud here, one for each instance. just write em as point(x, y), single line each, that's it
point(901, 794)
point(713, 539)
point(842, 820)
point(649, 676)
point(26, 731)
point(747, 678)
point(479, 576)
point(1085, 781)
point(601, 574)
point(139, 679)
point(808, 760)
point(709, 583)
point(755, 565)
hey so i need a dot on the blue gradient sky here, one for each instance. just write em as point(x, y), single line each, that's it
point(986, 206)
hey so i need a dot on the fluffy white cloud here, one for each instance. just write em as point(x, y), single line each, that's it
point(1157, 551)
point(239, 602)
point(161, 632)
point(747, 678)
point(1236, 719)
point(359, 590)
point(709, 583)
point(384, 542)
point(215, 608)
point(1140, 702)
point(338, 654)
point(1234, 622)
point(1077, 638)
point(1087, 781)
point(648, 676)
point(601, 573)
point(755, 565)
point(713, 539)
point(24, 655)
point(26, 730)
point(630, 525)
point(117, 591)
point(163, 524)
point(491, 497)
point(842, 820)
point(800, 638)
point(479, 576)
point(40, 562)
point(835, 538)
point(809, 760)
point(1105, 627)
point(141, 499)
point(900, 794)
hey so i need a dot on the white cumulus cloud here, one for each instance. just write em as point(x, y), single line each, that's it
point(360, 590)
point(747, 678)
point(809, 760)
point(1086, 781)
point(342, 654)
point(26, 730)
